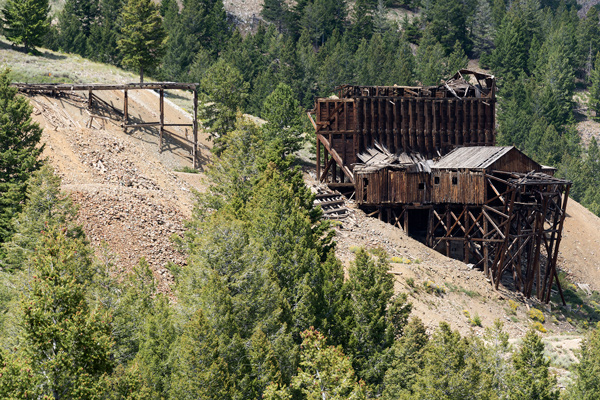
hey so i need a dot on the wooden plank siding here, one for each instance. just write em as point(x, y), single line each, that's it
point(405, 124)
point(458, 187)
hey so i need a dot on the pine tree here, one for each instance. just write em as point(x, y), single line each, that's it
point(511, 52)
point(156, 346)
point(587, 370)
point(429, 60)
point(225, 92)
point(588, 40)
point(199, 371)
point(46, 208)
point(532, 379)
point(274, 11)
point(19, 152)
point(448, 20)
point(377, 318)
point(407, 360)
point(104, 33)
point(452, 369)
point(457, 60)
point(282, 111)
point(75, 23)
point(68, 343)
point(362, 20)
point(26, 22)
point(483, 29)
point(594, 98)
point(143, 36)
point(324, 373)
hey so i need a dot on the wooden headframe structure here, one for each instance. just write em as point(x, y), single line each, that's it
point(441, 179)
point(60, 88)
point(429, 120)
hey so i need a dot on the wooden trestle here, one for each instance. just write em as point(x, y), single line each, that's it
point(56, 89)
point(517, 230)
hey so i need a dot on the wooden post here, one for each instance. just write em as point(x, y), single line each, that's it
point(466, 249)
point(448, 231)
point(195, 128)
point(125, 110)
point(318, 160)
point(486, 249)
point(90, 99)
point(162, 119)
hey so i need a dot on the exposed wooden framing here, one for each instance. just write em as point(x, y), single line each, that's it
point(125, 109)
point(56, 89)
point(506, 221)
point(162, 119)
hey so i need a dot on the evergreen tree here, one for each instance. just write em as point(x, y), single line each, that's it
point(588, 41)
point(202, 24)
point(483, 29)
point(142, 40)
point(448, 20)
point(75, 23)
point(26, 22)
point(429, 60)
point(46, 208)
point(324, 373)
point(532, 379)
point(282, 111)
point(511, 52)
point(19, 152)
point(587, 384)
point(362, 20)
point(199, 371)
point(225, 91)
point(377, 318)
point(156, 346)
point(594, 98)
point(457, 60)
point(68, 343)
point(407, 360)
point(274, 11)
point(452, 369)
point(104, 33)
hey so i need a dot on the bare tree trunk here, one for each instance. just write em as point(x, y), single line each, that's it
point(141, 74)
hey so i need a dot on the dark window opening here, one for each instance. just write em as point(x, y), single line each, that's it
point(422, 186)
point(436, 180)
point(455, 180)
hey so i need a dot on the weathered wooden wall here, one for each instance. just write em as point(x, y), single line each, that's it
point(429, 126)
point(458, 187)
point(389, 186)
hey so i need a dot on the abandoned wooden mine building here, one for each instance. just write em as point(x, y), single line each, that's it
point(424, 159)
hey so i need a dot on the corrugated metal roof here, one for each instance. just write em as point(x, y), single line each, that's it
point(478, 157)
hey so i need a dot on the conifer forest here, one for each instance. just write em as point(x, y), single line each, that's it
point(262, 307)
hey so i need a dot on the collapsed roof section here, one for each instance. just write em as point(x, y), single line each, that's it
point(464, 84)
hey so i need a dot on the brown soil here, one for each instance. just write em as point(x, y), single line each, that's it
point(464, 290)
point(131, 198)
point(129, 195)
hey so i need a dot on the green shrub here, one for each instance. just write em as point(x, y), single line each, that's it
point(539, 327)
point(432, 288)
point(513, 307)
point(410, 282)
point(537, 315)
point(187, 170)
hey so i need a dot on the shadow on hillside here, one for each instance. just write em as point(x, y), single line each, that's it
point(4, 45)
point(52, 56)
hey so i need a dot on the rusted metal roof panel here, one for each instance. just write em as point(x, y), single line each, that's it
point(478, 157)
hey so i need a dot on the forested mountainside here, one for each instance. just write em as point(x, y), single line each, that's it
point(262, 308)
point(542, 52)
